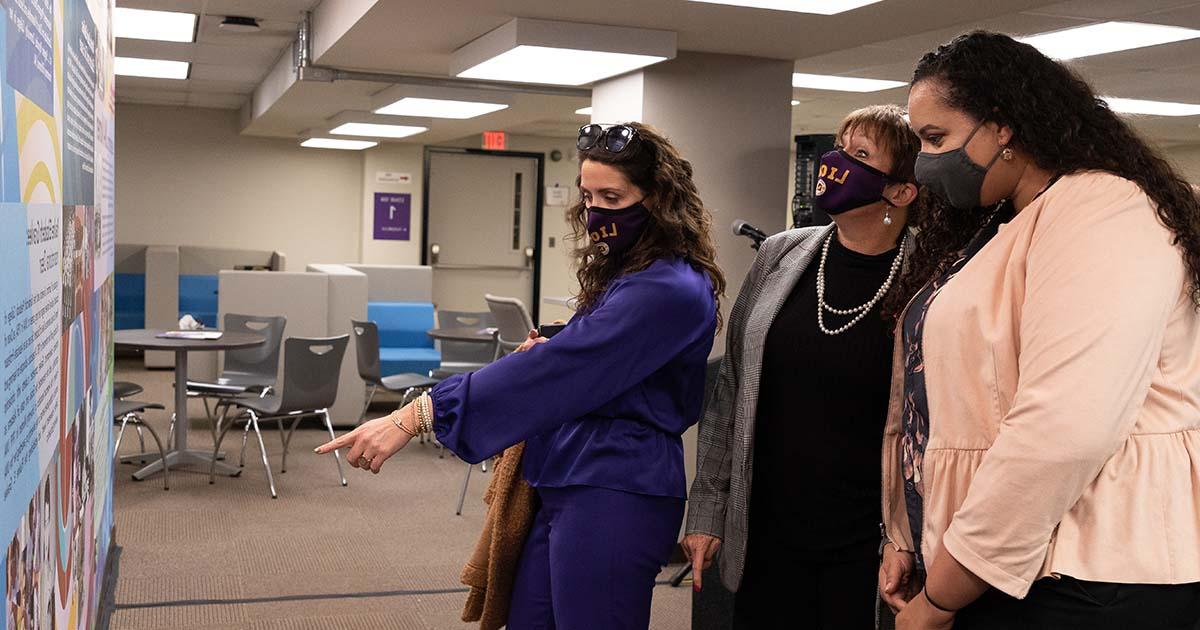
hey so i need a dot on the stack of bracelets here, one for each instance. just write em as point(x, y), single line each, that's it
point(424, 417)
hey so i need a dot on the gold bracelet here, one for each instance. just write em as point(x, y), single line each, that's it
point(419, 412)
point(400, 425)
point(426, 413)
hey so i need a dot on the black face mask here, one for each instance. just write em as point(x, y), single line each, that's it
point(953, 176)
point(616, 231)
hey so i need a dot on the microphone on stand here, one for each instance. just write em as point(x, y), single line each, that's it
point(741, 228)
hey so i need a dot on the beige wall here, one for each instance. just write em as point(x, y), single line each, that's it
point(185, 177)
point(394, 158)
point(557, 277)
point(1187, 160)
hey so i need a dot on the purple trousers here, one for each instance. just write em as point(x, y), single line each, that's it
point(592, 558)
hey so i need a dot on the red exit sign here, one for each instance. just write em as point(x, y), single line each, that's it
point(495, 140)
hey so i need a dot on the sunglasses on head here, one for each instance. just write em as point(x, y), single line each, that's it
point(612, 138)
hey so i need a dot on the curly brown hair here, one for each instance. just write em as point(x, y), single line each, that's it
point(679, 226)
point(1058, 121)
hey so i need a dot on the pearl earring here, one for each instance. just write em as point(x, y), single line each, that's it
point(887, 216)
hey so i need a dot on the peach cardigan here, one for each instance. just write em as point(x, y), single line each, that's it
point(1063, 374)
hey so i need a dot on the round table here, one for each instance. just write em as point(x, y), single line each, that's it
point(469, 334)
point(148, 339)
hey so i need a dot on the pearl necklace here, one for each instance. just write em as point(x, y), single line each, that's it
point(860, 310)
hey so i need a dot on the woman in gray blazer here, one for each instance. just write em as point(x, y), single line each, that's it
point(791, 439)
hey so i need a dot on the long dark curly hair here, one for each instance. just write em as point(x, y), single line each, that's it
point(1058, 121)
point(679, 226)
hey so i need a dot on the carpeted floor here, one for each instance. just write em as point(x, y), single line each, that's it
point(384, 552)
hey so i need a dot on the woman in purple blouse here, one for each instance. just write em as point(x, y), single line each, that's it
point(603, 404)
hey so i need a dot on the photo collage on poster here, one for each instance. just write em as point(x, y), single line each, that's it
point(57, 106)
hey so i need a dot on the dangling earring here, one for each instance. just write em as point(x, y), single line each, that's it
point(887, 216)
point(1006, 154)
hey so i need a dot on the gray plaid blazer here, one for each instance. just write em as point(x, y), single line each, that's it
point(718, 504)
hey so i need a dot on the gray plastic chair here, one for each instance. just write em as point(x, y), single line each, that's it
point(513, 320)
point(129, 411)
point(464, 356)
point(366, 345)
point(247, 369)
point(128, 389)
point(310, 382)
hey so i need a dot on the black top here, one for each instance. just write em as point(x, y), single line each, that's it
point(821, 410)
point(914, 419)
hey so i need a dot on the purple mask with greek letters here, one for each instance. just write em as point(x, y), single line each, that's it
point(615, 231)
point(844, 183)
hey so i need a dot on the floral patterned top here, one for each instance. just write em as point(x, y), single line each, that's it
point(915, 416)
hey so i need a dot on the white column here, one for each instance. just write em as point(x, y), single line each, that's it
point(731, 118)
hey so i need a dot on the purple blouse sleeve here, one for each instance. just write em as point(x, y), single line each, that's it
point(644, 322)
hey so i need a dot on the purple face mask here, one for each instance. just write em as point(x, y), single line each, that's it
point(615, 231)
point(844, 183)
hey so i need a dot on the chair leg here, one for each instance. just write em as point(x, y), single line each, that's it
point(242, 457)
point(207, 412)
point(462, 496)
point(171, 430)
point(336, 455)
point(287, 440)
point(212, 466)
point(263, 447)
point(282, 442)
point(141, 441)
point(483, 466)
point(367, 405)
point(163, 454)
point(120, 433)
point(215, 426)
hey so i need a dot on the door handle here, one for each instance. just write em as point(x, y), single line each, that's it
point(434, 250)
point(529, 257)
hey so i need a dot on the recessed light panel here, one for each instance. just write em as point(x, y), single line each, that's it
point(842, 84)
point(334, 143)
point(819, 7)
point(374, 129)
point(439, 108)
point(167, 26)
point(1106, 37)
point(151, 68)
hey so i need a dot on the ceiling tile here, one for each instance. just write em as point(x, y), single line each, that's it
point(216, 99)
point(227, 74)
point(1108, 9)
point(150, 49)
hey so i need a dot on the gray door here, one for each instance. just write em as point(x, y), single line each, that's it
point(482, 228)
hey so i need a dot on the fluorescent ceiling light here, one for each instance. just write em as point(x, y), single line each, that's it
point(1151, 108)
point(819, 7)
point(152, 68)
point(439, 108)
point(584, 111)
point(375, 129)
point(557, 66)
point(167, 26)
point(560, 53)
point(1106, 37)
point(841, 84)
point(334, 143)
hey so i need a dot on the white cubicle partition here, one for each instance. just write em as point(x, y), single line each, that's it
point(317, 303)
point(397, 283)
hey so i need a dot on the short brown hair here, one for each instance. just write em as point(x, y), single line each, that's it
point(888, 126)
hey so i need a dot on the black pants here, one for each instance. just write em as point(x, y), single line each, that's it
point(1070, 604)
point(827, 594)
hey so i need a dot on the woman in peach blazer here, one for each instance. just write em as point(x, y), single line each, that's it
point(1042, 454)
